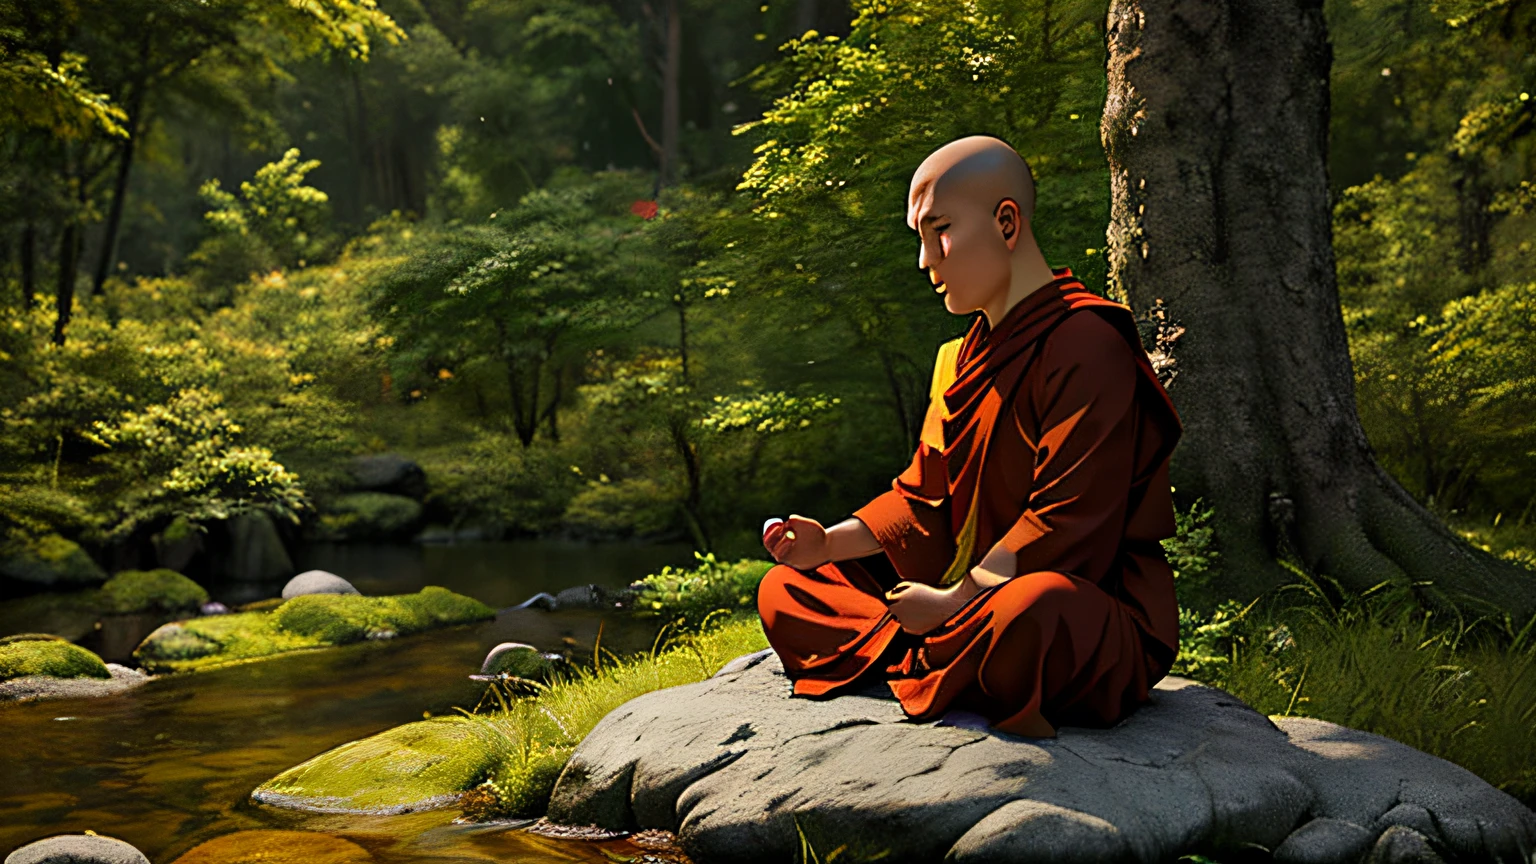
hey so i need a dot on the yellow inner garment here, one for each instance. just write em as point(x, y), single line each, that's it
point(945, 370)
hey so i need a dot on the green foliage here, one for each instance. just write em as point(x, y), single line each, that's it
point(370, 516)
point(692, 594)
point(142, 591)
point(48, 560)
point(53, 96)
point(49, 657)
point(279, 221)
point(634, 507)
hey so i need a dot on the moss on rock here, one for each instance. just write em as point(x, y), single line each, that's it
point(309, 621)
point(418, 766)
point(52, 657)
point(48, 560)
point(145, 590)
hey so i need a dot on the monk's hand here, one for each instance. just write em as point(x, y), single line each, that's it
point(797, 541)
point(920, 608)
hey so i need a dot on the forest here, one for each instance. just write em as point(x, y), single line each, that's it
point(638, 269)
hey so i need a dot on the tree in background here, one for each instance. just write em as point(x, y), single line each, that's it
point(1221, 211)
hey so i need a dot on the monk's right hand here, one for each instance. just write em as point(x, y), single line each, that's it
point(797, 541)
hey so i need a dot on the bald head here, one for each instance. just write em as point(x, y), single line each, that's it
point(979, 171)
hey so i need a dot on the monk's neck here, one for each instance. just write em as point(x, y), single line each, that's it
point(1029, 274)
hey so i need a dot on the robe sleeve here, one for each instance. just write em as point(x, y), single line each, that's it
point(911, 520)
point(1079, 412)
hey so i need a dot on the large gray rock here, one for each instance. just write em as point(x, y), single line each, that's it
point(739, 770)
point(388, 472)
point(317, 582)
point(77, 849)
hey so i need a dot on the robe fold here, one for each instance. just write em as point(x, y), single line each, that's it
point(1049, 435)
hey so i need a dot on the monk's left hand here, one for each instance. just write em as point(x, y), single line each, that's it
point(920, 608)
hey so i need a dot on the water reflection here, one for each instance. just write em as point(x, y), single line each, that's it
point(170, 765)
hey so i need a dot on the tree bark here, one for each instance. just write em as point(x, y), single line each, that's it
point(670, 95)
point(124, 167)
point(1216, 130)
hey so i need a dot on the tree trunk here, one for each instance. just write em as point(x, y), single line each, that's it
point(806, 13)
point(1216, 129)
point(29, 264)
point(64, 295)
point(670, 95)
point(124, 167)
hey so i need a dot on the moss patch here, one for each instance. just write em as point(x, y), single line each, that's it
point(310, 621)
point(418, 766)
point(145, 590)
point(49, 657)
point(506, 761)
point(48, 560)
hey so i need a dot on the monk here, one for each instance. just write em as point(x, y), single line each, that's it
point(1014, 569)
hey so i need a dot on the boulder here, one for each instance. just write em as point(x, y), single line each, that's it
point(49, 561)
point(257, 553)
point(388, 472)
point(178, 545)
point(370, 516)
point(147, 590)
point(77, 849)
point(742, 772)
point(317, 582)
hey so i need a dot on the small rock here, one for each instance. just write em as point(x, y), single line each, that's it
point(580, 597)
point(1401, 845)
point(77, 849)
point(214, 608)
point(537, 601)
point(517, 660)
point(317, 582)
point(1323, 841)
point(376, 635)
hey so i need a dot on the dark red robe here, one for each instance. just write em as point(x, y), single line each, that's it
point(1058, 432)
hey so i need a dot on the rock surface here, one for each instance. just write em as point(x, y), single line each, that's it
point(370, 516)
point(388, 472)
point(37, 688)
point(740, 770)
point(256, 551)
point(317, 582)
point(77, 849)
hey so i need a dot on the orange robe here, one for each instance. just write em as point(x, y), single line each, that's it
point(1055, 442)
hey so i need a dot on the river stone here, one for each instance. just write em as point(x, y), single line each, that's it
point(77, 849)
point(38, 688)
point(317, 582)
point(740, 770)
point(50, 561)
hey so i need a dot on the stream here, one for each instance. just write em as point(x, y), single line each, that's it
point(171, 764)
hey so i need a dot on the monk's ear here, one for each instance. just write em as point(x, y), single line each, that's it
point(1009, 221)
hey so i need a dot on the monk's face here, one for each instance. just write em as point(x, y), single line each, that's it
point(963, 244)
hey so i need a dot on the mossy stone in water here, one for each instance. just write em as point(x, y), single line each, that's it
point(276, 847)
point(418, 766)
point(49, 657)
point(48, 560)
point(309, 621)
point(143, 590)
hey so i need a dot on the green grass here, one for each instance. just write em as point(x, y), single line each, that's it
point(1461, 690)
point(507, 754)
point(310, 621)
point(52, 657)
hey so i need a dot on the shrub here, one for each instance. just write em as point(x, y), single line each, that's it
point(692, 594)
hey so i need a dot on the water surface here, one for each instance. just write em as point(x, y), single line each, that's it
point(171, 764)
